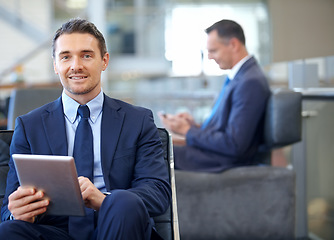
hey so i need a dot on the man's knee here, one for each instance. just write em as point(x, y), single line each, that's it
point(123, 202)
point(123, 214)
point(12, 229)
point(7, 227)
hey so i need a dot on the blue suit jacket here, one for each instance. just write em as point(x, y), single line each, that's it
point(233, 135)
point(131, 153)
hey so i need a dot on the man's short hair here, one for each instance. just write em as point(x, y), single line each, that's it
point(228, 29)
point(78, 25)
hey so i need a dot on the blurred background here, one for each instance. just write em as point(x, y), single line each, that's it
point(159, 61)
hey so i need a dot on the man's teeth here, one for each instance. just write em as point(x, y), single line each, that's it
point(75, 78)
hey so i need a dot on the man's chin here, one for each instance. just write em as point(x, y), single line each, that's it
point(78, 91)
point(223, 67)
point(81, 89)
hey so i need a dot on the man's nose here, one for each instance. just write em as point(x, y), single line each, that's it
point(76, 64)
point(210, 56)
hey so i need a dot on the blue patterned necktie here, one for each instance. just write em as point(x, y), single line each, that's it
point(84, 160)
point(83, 145)
point(216, 106)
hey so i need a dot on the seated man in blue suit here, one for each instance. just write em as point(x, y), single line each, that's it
point(231, 135)
point(127, 181)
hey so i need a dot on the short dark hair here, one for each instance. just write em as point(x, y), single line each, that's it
point(77, 25)
point(228, 29)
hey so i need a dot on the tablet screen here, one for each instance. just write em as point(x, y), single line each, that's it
point(57, 177)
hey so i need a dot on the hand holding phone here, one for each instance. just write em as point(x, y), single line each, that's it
point(162, 114)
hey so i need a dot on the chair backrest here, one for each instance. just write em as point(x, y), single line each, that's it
point(23, 100)
point(6, 136)
point(5, 140)
point(283, 122)
point(167, 223)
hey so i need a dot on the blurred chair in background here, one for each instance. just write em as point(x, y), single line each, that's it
point(23, 100)
point(5, 140)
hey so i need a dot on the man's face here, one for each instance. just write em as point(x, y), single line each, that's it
point(79, 64)
point(220, 50)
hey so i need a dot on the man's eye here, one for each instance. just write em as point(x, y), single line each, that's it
point(64, 57)
point(87, 56)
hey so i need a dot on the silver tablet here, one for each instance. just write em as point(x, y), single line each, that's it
point(57, 177)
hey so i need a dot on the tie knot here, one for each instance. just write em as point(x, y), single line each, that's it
point(83, 111)
point(227, 80)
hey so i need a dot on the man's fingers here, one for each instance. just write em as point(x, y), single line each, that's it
point(25, 203)
point(23, 197)
point(30, 215)
point(22, 192)
point(85, 184)
point(30, 210)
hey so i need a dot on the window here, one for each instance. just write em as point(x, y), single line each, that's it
point(185, 35)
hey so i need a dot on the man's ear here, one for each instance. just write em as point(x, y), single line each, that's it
point(234, 43)
point(105, 61)
point(54, 67)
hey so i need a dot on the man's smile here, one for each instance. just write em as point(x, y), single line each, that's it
point(77, 77)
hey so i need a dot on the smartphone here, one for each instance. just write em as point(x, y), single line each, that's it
point(163, 113)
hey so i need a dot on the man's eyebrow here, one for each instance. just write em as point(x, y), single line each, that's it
point(64, 52)
point(83, 51)
point(87, 51)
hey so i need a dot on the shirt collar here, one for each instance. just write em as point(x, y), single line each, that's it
point(237, 67)
point(71, 107)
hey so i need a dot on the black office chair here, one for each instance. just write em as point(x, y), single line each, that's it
point(252, 202)
point(166, 224)
point(5, 139)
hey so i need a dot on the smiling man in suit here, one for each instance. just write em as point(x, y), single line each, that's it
point(230, 136)
point(127, 180)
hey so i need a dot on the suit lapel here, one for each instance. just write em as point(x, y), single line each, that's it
point(111, 125)
point(54, 127)
point(239, 76)
point(221, 112)
point(249, 63)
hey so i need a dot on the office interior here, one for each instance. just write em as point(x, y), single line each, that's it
point(159, 61)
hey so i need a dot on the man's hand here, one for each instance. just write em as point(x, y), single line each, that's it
point(176, 123)
point(26, 203)
point(92, 196)
point(189, 118)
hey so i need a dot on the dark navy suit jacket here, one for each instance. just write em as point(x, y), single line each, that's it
point(233, 135)
point(131, 153)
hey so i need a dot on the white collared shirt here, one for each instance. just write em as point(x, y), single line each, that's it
point(237, 67)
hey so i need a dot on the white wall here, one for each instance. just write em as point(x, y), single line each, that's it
point(301, 29)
